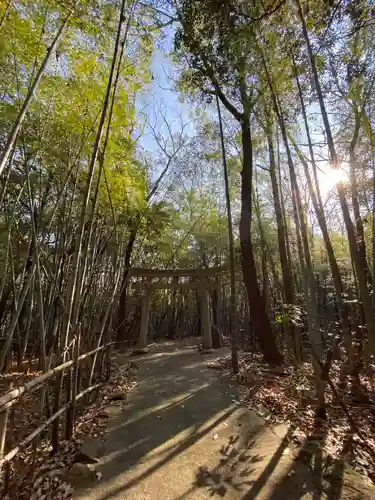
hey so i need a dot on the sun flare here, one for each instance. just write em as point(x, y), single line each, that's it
point(329, 177)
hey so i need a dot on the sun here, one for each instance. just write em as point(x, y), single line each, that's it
point(328, 178)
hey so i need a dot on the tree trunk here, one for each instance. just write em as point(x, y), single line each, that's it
point(258, 314)
point(233, 301)
point(284, 262)
point(373, 211)
point(310, 287)
point(361, 272)
point(354, 194)
point(318, 207)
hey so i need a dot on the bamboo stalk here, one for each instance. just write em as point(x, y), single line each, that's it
point(21, 115)
point(12, 453)
point(70, 420)
point(14, 323)
point(3, 426)
point(11, 397)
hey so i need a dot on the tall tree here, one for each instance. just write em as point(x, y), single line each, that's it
point(216, 49)
point(355, 250)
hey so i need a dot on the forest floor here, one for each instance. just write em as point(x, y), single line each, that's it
point(182, 434)
point(345, 438)
point(36, 474)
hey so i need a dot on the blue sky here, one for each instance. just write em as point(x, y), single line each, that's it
point(161, 93)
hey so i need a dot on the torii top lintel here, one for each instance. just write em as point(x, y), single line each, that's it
point(171, 273)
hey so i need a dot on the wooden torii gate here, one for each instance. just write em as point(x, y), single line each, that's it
point(198, 278)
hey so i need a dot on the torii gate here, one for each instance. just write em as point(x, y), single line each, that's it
point(197, 278)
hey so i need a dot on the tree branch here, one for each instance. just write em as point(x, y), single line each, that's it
point(273, 9)
point(223, 98)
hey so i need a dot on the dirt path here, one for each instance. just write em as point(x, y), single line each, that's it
point(183, 436)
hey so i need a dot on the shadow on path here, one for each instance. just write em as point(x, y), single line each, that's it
point(177, 401)
point(309, 474)
point(183, 436)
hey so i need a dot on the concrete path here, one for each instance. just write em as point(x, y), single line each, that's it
point(183, 436)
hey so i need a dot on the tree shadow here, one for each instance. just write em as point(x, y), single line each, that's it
point(308, 471)
point(177, 402)
point(243, 463)
point(264, 477)
point(233, 472)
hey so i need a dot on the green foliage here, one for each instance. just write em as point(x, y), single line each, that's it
point(60, 125)
point(218, 44)
point(291, 315)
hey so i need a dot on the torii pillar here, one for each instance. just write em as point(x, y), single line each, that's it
point(205, 318)
point(141, 347)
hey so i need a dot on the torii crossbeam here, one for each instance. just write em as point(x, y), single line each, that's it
point(197, 278)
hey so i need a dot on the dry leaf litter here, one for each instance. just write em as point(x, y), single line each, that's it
point(287, 395)
point(36, 474)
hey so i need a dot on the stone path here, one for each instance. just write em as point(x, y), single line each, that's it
point(183, 436)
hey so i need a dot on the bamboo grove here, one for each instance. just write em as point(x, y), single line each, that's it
point(93, 182)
